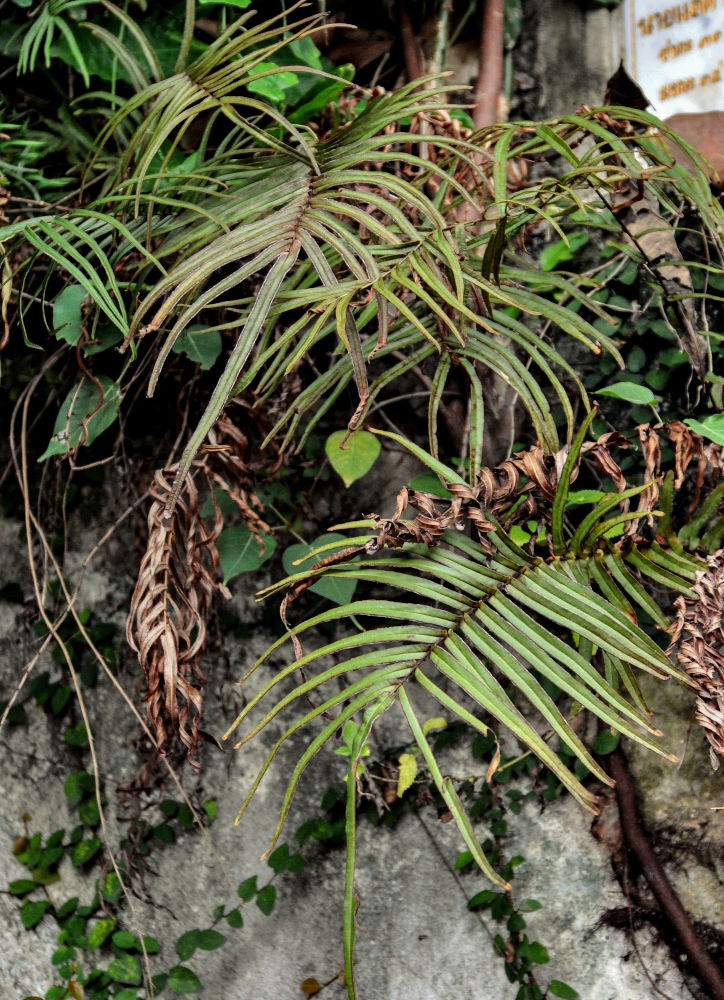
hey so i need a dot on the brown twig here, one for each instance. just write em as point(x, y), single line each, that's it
point(709, 975)
point(490, 71)
point(411, 52)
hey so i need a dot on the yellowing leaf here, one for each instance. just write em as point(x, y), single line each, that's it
point(437, 723)
point(310, 986)
point(408, 771)
point(356, 458)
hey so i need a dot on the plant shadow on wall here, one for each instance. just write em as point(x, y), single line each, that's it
point(234, 201)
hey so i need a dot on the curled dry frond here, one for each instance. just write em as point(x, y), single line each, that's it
point(698, 631)
point(177, 580)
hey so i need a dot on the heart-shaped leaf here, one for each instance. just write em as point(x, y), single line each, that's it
point(298, 557)
point(356, 458)
point(240, 552)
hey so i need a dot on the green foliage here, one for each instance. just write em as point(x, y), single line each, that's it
point(201, 216)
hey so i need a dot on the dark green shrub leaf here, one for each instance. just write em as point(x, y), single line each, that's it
point(89, 813)
point(529, 905)
point(60, 699)
point(185, 817)
point(183, 980)
point(606, 742)
point(277, 860)
point(169, 808)
point(164, 833)
point(266, 898)
point(240, 551)
point(124, 940)
point(76, 784)
point(125, 969)
point(151, 944)
point(247, 889)
point(63, 954)
point(357, 457)
point(482, 898)
point(234, 918)
point(22, 886)
point(84, 851)
point(76, 736)
point(188, 943)
point(559, 989)
point(31, 913)
point(129, 994)
point(210, 939)
point(99, 932)
point(537, 953)
point(67, 908)
point(111, 888)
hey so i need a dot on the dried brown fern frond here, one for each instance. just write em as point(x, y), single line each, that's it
point(699, 631)
point(177, 579)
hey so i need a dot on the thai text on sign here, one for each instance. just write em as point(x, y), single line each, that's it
point(675, 52)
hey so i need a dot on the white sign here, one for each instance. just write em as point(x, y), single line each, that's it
point(675, 52)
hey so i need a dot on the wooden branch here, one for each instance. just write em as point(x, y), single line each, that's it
point(490, 65)
point(708, 973)
point(410, 49)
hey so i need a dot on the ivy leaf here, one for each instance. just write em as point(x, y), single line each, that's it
point(247, 889)
point(111, 888)
point(99, 932)
point(188, 943)
point(124, 940)
point(408, 771)
point(357, 457)
point(31, 913)
point(84, 851)
point(74, 424)
point(183, 980)
point(630, 392)
point(210, 939)
point(126, 969)
point(22, 886)
point(200, 345)
point(559, 989)
point(266, 898)
point(337, 589)
point(239, 551)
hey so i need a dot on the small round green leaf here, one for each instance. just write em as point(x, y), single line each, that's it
point(606, 742)
point(99, 932)
point(357, 457)
point(183, 980)
point(124, 940)
point(188, 943)
point(210, 939)
point(247, 889)
point(234, 919)
point(126, 969)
